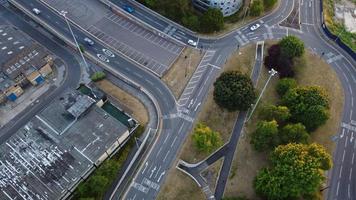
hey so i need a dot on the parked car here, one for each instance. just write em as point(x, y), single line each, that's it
point(128, 8)
point(254, 27)
point(36, 11)
point(193, 43)
point(89, 41)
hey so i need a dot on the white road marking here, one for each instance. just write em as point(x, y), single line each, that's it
point(165, 157)
point(340, 171)
point(174, 141)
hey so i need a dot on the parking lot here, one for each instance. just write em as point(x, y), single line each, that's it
point(132, 40)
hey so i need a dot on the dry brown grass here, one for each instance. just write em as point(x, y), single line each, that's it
point(181, 71)
point(129, 103)
point(311, 70)
point(180, 186)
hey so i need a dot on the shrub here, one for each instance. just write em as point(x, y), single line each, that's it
point(205, 139)
point(291, 47)
point(308, 105)
point(256, 8)
point(97, 76)
point(265, 136)
point(272, 112)
point(234, 91)
point(284, 85)
point(293, 133)
point(212, 20)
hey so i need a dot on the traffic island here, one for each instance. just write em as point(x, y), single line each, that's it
point(311, 70)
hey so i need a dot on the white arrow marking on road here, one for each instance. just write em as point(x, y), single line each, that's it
point(102, 57)
point(144, 169)
point(153, 170)
point(352, 137)
point(343, 133)
point(109, 53)
point(157, 171)
point(196, 108)
point(160, 176)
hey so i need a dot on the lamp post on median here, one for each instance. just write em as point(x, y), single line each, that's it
point(271, 72)
point(63, 13)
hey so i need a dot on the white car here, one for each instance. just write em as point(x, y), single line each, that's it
point(254, 27)
point(89, 41)
point(193, 43)
point(36, 11)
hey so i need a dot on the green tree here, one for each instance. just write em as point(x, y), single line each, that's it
point(272, 112)
point(265, 135)
point(151, 3)
point(285, 84)
point(206, 140)
point(293, 133)
point(212, 20)
point(308, 105)
point(191, 21)
point(256, 8)
point(297, 170)
point(269, 3)
point(291, 46)
point(234, 91)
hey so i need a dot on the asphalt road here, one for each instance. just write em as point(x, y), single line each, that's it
point(176, 124)
point(342, 184)
point(54, 45)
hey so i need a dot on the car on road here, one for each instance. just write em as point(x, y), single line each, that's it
point(193, 43)
point(254, 27)
point(36, 11)
point(128, 8)
point(89, 41)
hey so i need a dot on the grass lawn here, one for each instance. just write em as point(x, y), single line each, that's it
point(129, 103)
point(179, 74)
point(180, 186)
point(311, 70)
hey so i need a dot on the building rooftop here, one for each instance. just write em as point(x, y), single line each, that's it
point(18, 52)
point(38, 163)
point(12, 42)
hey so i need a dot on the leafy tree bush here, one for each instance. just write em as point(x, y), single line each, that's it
point(212, 20)
point(269, 3)
point(234, 91)
point(291, 47)
point(282, 64)
point(191, 21)
point(272, 112)
point(97, 76)
point(297, 170)
point(265, 136)
point(256, 8)
point(206, 140)
point(293, 133)
point(308, 105)
point(284, 85)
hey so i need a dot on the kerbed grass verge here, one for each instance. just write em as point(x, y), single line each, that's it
point(310, 70)
point(337, 28)
point(182, 70)
point(179, 185)
point(129, 103)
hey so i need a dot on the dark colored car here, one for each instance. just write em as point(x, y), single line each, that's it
point(128, 8)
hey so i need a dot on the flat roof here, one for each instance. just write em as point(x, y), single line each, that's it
point(12, 42)
point(38, 163)
point(19, 52)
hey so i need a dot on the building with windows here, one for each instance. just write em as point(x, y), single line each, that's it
point(227, 7)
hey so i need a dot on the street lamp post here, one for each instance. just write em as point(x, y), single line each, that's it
point(271, 72)
point(63, 13)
